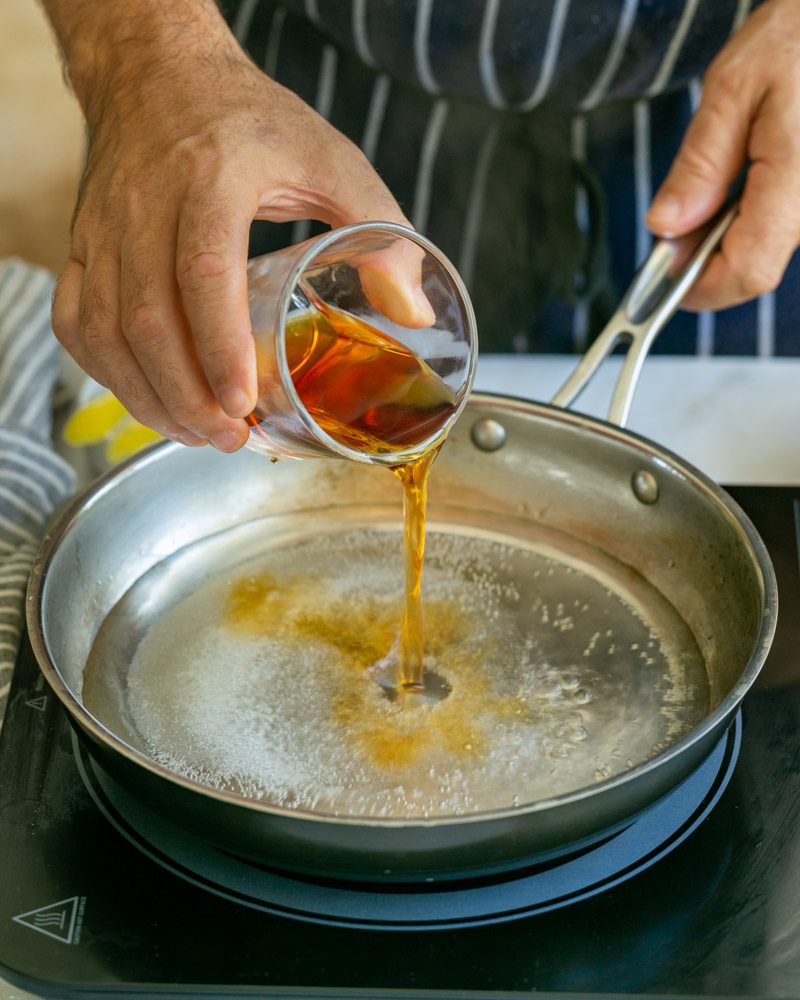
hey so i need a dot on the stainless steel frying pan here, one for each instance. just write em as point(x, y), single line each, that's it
point(597, 607)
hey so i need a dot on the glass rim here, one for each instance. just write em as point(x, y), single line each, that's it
point(315, 247)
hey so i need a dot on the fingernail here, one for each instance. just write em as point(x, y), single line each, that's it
point(235, 401)
point(227, 440)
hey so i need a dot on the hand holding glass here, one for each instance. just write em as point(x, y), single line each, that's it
point(366, 346)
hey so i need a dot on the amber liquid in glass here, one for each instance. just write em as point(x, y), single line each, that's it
point(371, 393)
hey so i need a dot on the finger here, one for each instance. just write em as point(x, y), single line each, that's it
point(391, 278)
point(711, 155)
point(341, 189)
point(392, 281)
point(106, 356)
point(66, 310)
point(751, 260)
point(211, 270)
point(765, 234)
point(154, 326)
point(352, 191)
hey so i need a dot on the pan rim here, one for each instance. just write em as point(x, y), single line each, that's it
point(669, 461)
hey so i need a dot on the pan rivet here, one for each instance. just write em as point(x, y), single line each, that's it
point(488, 435)
point(645, 486)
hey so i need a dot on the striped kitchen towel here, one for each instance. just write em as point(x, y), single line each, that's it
point(33, 478)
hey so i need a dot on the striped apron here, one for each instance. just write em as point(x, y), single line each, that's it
point(526, 138)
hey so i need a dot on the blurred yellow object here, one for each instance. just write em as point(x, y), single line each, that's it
point(92, 422)
point(129, 439)
point(104, 419)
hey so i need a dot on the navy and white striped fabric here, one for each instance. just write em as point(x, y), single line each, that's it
point(526, 138)
point(33, 478)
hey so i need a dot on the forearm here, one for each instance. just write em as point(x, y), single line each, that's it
point(115, 43)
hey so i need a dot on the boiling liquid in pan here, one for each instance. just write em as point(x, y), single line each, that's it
point(565, 669)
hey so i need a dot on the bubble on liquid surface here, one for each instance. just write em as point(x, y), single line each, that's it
point(255, 671)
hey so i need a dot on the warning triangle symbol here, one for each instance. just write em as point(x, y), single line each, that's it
point(56, 920)
point(37, 703)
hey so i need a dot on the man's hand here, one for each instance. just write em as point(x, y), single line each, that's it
point(750, 109)
point(188, 142)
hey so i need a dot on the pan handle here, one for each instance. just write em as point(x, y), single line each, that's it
point(671, 268)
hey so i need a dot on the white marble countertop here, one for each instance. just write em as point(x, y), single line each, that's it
point(736, 419)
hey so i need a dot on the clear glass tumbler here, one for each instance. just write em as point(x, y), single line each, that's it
point(366, 346)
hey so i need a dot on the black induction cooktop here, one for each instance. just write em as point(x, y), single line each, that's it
point(698, 897)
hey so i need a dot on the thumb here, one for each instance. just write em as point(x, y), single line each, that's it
point(392, 281)
point(342, 188)
point(711, 155)
point(391, 277)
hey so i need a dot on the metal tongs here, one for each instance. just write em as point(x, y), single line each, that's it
point(671, 268)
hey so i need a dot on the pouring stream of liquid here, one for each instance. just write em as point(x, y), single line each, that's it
point(372, 393)
point(414, 477)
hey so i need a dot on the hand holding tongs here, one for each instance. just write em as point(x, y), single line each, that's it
point(671, 268)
